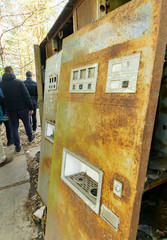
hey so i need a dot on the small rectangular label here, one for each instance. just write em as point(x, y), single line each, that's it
point(116, 67)
point(115, 84)
point(109, 217)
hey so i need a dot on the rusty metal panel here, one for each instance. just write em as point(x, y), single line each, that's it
point(113, 4)
point(49, 49)
point(112, 131)
point(49, 115)
point(86, 13)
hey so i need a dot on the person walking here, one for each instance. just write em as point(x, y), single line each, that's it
point(3, 158)
point(32, 89)
point(7, 126)
point(18, 105)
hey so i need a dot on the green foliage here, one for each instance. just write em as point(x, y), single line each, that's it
point(1, 71)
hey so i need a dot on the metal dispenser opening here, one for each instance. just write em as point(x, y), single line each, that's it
point(83, 178)
point(49, 131)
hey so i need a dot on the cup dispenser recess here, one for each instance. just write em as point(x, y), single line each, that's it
point(49, 132)
point(83, 178)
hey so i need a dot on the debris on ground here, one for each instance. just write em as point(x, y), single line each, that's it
point(143, 236)
point(39, 213)
point(34, 202)
point(153, 214)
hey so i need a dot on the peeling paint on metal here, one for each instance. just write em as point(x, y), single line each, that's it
point(49, 114)
point(109, 130)
point(111, 33)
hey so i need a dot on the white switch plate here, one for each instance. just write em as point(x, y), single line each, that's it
point(121, 70)
point(117, 188)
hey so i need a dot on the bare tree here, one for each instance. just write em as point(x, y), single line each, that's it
point(22, 25)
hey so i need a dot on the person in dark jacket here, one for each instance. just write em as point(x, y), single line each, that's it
point(18, 105)
point(32, 89)
point(3, 158)
point(6, 123)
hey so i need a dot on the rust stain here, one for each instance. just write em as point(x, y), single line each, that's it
point(50, 120)
point(145, 32)
point(45, 163)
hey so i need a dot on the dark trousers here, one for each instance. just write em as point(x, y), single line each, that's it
point(14, 124)
point(8, 132)
point(34, 118)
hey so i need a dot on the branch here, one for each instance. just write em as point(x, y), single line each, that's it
point(16, 26)
point(59, 3)
point(21, 24)
point(26, 64)
point(28, 13)
point(37, 23)
point(14, 15)
point(16, 54)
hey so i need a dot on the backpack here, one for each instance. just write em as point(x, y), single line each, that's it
point(2, 118)
point(1, 96)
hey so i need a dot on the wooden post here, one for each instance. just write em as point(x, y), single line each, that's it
point(39, 80)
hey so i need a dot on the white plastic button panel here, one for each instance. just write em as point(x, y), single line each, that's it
point(122, 74)
point(83, 79)
point(53, 82)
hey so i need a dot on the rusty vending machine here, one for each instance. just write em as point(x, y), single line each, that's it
point(104, 115)
point(49, 116)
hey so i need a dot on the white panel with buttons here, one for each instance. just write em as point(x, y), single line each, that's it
point(53, 82)
point(83, 79)
point(122, 74)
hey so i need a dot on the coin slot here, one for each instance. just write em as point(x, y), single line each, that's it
point(94, 192)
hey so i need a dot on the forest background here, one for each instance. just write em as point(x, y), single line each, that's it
point(24, 23)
